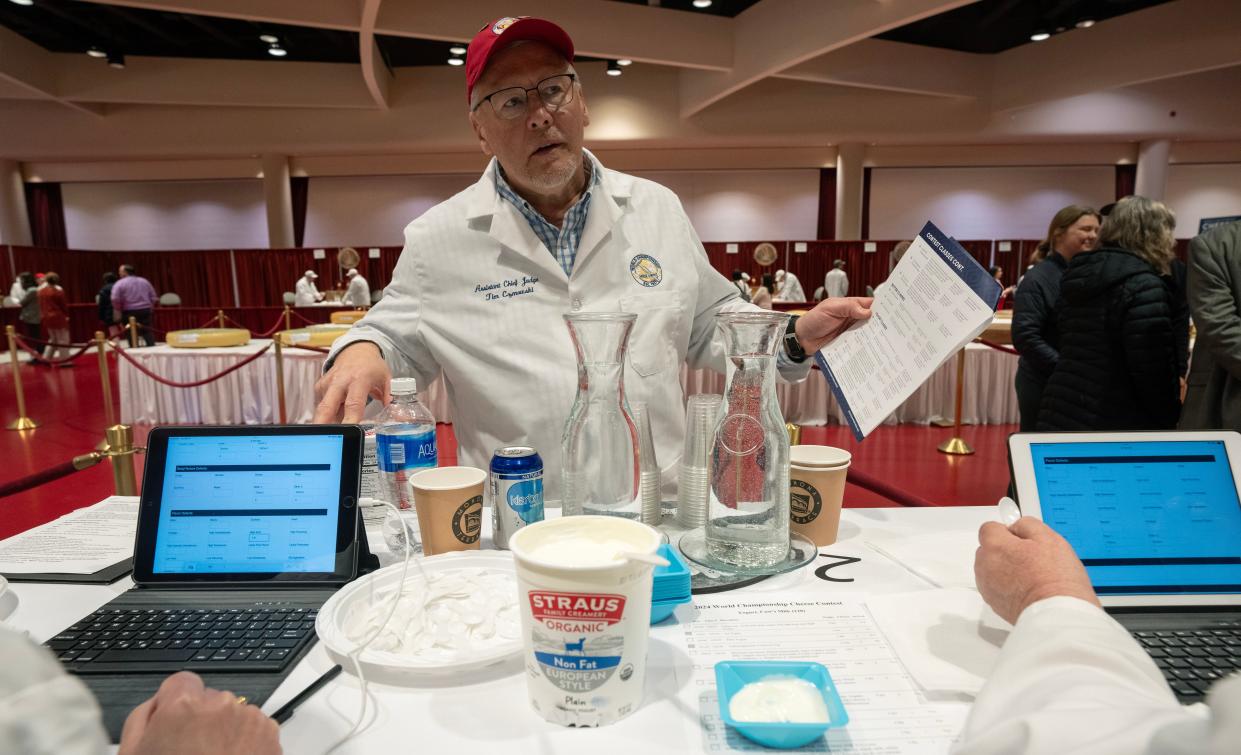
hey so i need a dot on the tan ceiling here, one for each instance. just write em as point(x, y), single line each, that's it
point(793, 74)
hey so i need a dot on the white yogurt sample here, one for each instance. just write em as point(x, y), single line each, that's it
point(581, 550)
point(779, 699)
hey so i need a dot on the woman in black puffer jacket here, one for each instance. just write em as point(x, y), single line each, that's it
point(1118, 366)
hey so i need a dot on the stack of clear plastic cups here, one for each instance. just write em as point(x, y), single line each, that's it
point(694, 485)
point(649, 484)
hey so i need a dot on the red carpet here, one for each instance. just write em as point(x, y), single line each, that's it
point(68, 405)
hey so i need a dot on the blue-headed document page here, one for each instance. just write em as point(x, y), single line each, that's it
point(936, 301)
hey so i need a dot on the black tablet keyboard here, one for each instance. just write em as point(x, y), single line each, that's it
point(262, 638)
point(1192, 661)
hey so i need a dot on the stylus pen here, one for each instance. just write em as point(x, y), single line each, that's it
point(286, 710)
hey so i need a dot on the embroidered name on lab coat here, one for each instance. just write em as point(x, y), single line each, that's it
point(507, 288)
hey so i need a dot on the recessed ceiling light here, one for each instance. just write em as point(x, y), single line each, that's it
point(1085, 23)
point(22, 2)
point(95, 52)
point(270, 39)
point(1039, 36)
point(277, 51)
point(116, 60)
point(457, 50)
point(624, 62)
point(702, 3)
point(614, 69)
point(456, 62)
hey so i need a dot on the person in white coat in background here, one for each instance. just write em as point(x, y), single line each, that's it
point(1069, 678)
point(305, 294)
point(481, 288)
point(359, 292)
point(836, 282)
point(788, 288)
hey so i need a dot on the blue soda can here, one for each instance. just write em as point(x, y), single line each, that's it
point(516, 491)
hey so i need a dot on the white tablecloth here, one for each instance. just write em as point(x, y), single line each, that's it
point(248, 396)
point(489, 712)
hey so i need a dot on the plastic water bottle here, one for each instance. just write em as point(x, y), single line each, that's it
point(404, 445)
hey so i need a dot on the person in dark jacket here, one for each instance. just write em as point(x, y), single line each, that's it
point(1213, 401)
point(103, 301)
point(1117, 366)
point(1073, 230)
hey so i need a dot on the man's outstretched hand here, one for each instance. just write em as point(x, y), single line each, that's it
point(830, 318)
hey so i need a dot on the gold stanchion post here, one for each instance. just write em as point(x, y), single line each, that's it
point(109, 414)
point(220, 316)
point(288, 322)
point(121, 452)
point(956, 445)
point(22, 422)
point(133, 332)
point(794, 432)
point(284, 419)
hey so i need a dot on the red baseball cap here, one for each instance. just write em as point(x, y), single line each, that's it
point(505, 31)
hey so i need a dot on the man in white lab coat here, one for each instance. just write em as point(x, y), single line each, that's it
point(1069, 679)
point(359, 292)
point(836, 282)
point(305, 294)
point(788, 288)
point(480, 290)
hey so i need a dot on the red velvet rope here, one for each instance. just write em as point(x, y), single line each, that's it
point(875, 485)
point(82, 349)
point(998, 346)
point(303, 318)
point(193, 384)
point(38, 478)
point(268, 333)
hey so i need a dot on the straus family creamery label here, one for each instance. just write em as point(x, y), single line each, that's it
point(577, 638)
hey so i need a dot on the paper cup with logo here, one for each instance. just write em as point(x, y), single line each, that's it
point(816, 491)
point(585, 616)
point(449, 504)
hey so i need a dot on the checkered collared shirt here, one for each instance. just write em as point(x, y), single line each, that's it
point(561, 242)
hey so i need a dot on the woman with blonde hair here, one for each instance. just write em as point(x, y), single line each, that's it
point(1073, 230)
point(1117, 368)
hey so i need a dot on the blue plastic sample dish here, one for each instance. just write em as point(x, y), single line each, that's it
point(671, 581)
point(662, 609)
point(731, 676)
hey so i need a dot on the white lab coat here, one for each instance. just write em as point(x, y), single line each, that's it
point(476, 297)
point(42, 708)
point(358, 294)
point(1069, 679)
point(791, 291)
point(305, 293)
point(835, 284)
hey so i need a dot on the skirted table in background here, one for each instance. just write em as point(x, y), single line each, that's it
point(248, 395)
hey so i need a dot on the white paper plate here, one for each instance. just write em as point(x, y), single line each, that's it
point(330, 624)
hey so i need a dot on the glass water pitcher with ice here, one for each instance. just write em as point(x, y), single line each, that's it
point(748, 512)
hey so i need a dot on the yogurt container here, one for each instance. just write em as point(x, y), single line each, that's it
point(585, 616)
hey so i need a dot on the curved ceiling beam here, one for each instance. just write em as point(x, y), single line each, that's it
point(775, 35)
point(374, 69)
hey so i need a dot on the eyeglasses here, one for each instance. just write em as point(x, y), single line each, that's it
point(555, 92)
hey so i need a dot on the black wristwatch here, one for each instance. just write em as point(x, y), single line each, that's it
point(792, 347)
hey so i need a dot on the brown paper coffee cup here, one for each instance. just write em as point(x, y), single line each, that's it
point(449, 504)
point(816, 491)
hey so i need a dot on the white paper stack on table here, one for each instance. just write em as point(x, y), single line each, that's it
point(936, 301)
point(85, 541)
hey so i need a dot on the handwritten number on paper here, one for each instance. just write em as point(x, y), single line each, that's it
point(821, 572)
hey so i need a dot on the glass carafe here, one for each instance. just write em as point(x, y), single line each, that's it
point(599, 448)
point(748, 514)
